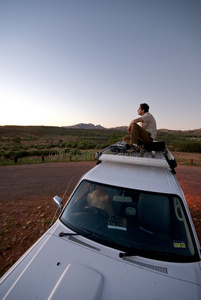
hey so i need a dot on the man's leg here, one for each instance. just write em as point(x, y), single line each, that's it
point(137, 132)
point(127, 139)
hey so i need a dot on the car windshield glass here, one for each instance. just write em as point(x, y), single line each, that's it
point(133, 221)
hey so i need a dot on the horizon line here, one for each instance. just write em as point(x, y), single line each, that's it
point(71, 126)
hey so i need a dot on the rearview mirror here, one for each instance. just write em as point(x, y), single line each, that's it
point(122, 199)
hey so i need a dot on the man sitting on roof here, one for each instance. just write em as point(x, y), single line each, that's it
point(145, 133)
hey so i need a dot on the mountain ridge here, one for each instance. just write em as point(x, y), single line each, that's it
point(124, 128)
point(85, 126)
point(92, 126)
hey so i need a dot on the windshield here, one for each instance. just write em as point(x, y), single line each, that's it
point(137, 222)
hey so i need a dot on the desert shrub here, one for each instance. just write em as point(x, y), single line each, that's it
point(75, 152)
point(86, 145)
point(186, 146)
point(22, 153)
point(47, 146)
point(71, 144)
point(18, 154)
point(67, 150)
point(17, 140)
point(112, 141)
point(33, 152)
point(62, 145)
point(74, 144)
point(14, 148)
point(44, 152)
point(102, 146)
point(50, 152)
point(68, 144)
point(32, 146)
point(6, 155)
point(41, 147)
point(24, 147)
point(10, 154)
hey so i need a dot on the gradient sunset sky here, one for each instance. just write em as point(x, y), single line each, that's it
point(64, 62)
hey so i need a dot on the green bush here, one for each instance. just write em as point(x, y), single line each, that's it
point(186, 146)
point(85, 145)
point(44, 152)
point(20, 154)
point(68, 150)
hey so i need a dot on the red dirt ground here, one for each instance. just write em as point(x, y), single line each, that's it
point(26, 208)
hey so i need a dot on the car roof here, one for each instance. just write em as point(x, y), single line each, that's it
point(147, 178)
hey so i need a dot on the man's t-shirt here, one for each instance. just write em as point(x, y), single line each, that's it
point(149, 124)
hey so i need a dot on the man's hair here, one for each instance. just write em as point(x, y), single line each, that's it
point(145, 107)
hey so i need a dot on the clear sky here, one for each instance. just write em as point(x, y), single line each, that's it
point(64, 62)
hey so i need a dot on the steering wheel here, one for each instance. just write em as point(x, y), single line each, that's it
point(96, 210)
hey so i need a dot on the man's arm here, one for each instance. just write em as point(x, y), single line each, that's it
point(133, 122)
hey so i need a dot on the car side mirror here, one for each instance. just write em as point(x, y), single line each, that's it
point(57, 202)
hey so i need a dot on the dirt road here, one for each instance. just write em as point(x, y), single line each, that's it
point(23, 182)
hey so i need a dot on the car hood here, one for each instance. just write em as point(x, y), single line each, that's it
point(77, 268)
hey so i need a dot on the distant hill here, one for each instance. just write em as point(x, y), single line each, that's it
point(124, 128)
point(92, 126)
point(85, 126)
point(194, 132)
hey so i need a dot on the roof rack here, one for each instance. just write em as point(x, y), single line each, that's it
point(155, 154)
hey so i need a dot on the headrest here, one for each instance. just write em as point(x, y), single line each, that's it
point(154, 211)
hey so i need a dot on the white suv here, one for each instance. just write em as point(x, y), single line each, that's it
point(125, 233)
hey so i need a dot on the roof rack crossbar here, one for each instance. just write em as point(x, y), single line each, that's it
point(119, 153)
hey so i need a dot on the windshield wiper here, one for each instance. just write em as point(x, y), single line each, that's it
point(96, 234)
point(150, 253)
point(85, 233)
point(67, 234)
point(132, 252)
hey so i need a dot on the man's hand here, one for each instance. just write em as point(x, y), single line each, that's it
point(129, 129)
